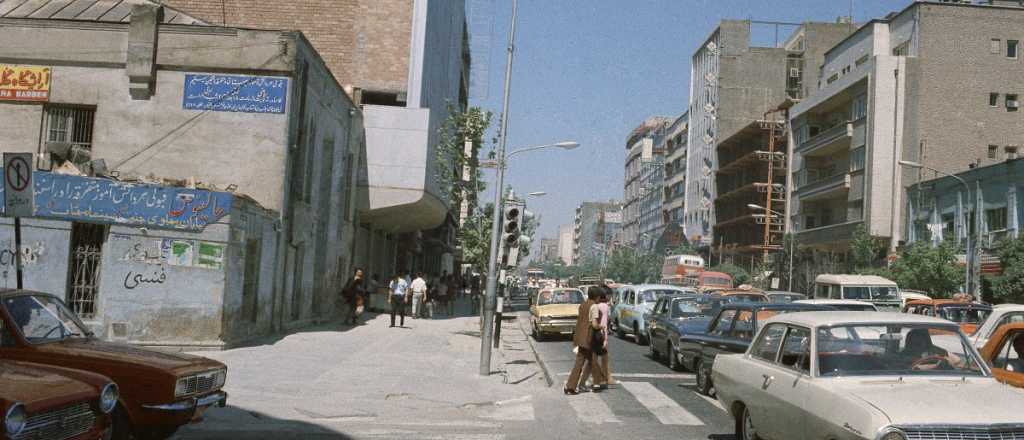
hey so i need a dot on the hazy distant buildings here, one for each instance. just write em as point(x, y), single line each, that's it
point(644, 176)
point(565, 243)
point(595, 224)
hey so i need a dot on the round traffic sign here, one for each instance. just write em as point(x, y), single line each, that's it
point(18, 173)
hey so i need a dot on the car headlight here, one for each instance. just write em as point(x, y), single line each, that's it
point(545, 318)
point(891, 434)
point(220, 378)
point(14, 419)
point(108, 398)
point(181, 387)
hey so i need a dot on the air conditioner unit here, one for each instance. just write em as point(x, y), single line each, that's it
point(794, 72)
point(1012, 104)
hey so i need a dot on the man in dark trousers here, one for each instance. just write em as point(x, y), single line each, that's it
point(581, 339)
point(398, 297)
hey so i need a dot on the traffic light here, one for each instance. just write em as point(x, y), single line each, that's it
point(510, 235)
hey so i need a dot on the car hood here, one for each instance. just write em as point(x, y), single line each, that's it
point(558, 310)
point(110, 352)
point(38, 386)
point(930, 400)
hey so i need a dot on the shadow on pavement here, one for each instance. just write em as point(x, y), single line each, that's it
point(256, 426)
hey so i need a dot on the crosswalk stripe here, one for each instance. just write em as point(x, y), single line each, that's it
point(663, 407)
point(647, 375)
point(591, 409)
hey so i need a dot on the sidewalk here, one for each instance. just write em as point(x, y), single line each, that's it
point(365, 382)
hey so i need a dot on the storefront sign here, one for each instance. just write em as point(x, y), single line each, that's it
point(235, 93)
point(24, 83)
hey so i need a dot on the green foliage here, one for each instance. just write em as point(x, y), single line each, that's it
point(931, 269)
point(626, 265)
point(451, 158)
point(864, 250)
point(1009, 287)
point(739, 275)
point(475, 238)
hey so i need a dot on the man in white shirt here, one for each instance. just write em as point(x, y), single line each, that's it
point(398, 297)
point(419, 295)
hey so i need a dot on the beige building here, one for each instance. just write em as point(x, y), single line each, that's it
point(565, 244)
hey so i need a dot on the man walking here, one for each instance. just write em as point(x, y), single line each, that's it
point(355, 296)
point(398, 297)
point(419, 295)
point(581, 339)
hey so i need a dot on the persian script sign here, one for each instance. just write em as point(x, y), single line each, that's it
point(24, 83)
point(95, 200)
point(235, 93)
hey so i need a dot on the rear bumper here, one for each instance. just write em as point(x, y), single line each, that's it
point(563, 327)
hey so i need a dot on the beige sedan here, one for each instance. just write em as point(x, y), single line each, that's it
point(555, 312)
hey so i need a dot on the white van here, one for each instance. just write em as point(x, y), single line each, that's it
point(881, 292)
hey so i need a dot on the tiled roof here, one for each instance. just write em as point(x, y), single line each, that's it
point(87, 10)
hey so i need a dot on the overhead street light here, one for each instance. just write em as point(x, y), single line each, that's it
point(537, 194)
point(969, 285)
point(565, 145)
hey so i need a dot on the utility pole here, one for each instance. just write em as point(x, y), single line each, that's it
point(492, 275)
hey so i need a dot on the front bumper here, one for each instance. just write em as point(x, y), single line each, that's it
point(557, 326)
point(218, 398)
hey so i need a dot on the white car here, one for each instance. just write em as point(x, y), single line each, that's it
point(1002, 314)
point(864, 375)
point(846, 305)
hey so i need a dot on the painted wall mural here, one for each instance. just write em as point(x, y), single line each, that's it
point(97, 200)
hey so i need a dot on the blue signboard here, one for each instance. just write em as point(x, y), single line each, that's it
point(235, 93)
point(95, 200)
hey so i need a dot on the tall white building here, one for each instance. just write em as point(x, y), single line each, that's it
point(565, 243)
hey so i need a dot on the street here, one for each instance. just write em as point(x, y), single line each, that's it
point(334, 383)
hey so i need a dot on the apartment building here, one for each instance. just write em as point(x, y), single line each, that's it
point(674, 190)
point(641, 210)
point(565, 243)
point(935, 83)
point(752, 160)
point(594, 223)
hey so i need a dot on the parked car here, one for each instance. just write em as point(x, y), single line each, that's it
point(862, 375)
point(672, 316)
point(782, 296)
point(846, 305)
point(160, 391)
point(729, 332)
point(881, 292)
point(1002, 314)
point(967, 314)
point(555, 311)
point(907, 295)
point(54, 403)
point(711, 303)
point(1004, 352)
point(632, 304)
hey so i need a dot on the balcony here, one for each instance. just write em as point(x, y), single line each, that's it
point(835, 233)
point(816, 184)
point(828, 141)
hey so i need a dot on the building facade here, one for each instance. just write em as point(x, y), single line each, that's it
point(175, 113)
point(643, 180)
point(566, 235)
point(676, 139)
point(593, 223)
point(548, 250)
point(879, 93)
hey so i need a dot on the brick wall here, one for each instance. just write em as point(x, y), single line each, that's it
point(365, 43)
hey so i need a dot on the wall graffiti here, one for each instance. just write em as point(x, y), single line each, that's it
point(133, 279)
point(107, 201)
point(30, 256)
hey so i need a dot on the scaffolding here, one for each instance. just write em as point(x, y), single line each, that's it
point(774, 122)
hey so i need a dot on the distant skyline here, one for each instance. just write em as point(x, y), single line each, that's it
point(591, 71)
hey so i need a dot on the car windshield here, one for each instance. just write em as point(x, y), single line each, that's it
point(964, 314)
point(895, 349)
point(43, 319)
point(652, 295)
point(743, 297)
point(685, 309)
point(560, 297)
point(870, 293)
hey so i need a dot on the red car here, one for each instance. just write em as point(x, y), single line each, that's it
point(53, 403)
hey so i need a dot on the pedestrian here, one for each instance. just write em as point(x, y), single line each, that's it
point(474, 293)
point(604, 295)
point(453, 290)
point(441, 293)
point(419, 296)
point(354, 294)
point(599, 318)
point(581, 339)
point(398, 297)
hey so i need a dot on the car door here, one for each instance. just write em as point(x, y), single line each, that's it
point(1006, 362)
point(762, 355)
point(717, 338)
point(627, 315)
point(785, 387)
point(655, 325)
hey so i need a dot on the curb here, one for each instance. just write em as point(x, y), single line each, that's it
point(533, 348)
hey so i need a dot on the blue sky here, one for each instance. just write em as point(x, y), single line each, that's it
point(591, 70)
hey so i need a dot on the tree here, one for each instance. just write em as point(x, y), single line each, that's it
point(738, 274)
point(864, 250)
point(451, 157)
point(626, 265)
point(475, 238)
point(1009, 287)
point(923, 267)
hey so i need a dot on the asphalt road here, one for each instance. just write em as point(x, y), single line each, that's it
point(650, 401)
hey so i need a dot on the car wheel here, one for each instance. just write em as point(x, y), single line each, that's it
point(745, 426)
point(673, 357)
point(703, 381)
point(537, 334)
point(637, 336)
point(619, 331)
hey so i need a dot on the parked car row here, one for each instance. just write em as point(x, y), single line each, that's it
point(59, 382)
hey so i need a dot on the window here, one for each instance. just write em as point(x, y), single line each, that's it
point(1009, 357)
point(857, 159)
point(902, 49)
point(69, 124)
point(1011, 49)
point(1012, 104)
point(1015, 318)
point(862, 60)
point(743, 327)
point(995, 45)
point(996, 219)
point(767, 345)
point(993, 100)
point(948, 227)
point(796, 350)
point(722, 323)
point(992, 149)
point(860, 107)
point(1011, 152)
point(832, 78)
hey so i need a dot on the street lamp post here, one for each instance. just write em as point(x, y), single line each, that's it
point(969, 253)
point(757, 207)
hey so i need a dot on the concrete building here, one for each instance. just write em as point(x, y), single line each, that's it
point(641, 209)
point(884, 94)
point(676, 139)
point(732, 85)
point(565, 243)
point(252, 111)
point(548, 249)
point(755, 151)
point(591, 229)
point(403, 61)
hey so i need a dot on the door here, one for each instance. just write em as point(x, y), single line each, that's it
point(762, 357)
point(626, 311)
point(786, 386)
point(1008, 361)
point(657, 324)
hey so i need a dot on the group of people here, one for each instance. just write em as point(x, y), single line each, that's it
point(590, 341)
point(425, 297)
point(355, 294)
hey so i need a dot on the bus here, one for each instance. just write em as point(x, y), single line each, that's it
point(676, 268)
